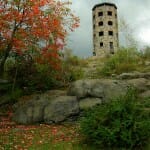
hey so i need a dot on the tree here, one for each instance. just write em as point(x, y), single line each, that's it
point(127, 33)
point(38, 24)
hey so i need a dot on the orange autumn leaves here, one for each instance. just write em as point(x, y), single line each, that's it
point(28, 23)
point(21, 137)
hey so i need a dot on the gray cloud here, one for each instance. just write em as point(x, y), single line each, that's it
point(135, 13)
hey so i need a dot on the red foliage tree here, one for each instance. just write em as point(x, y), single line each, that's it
point(27, 23)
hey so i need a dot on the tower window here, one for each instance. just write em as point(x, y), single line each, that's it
point(101, 44)
point(94, 35)
point(110, 23)
point(100, 14)
point(111, 47)
point(117, 35)
point(94, 26)
point(94, 54)
point(93, 16)
point(110, 33)
point(109, 13)
point(101, 33)
point(116, 15)
point(100, 23)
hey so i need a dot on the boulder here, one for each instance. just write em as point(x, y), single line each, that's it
point(31, 111)
point(80, 88)
point(89, 102)
point(141, 84)
point(46, 108)
point(56, 106)
point(56, 93)
point(145, 94)
point(147, 63)
point(134, 75)
point(97, 88)
point(50, 95)
point(60, 109)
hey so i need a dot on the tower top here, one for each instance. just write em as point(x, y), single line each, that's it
point(103, 4)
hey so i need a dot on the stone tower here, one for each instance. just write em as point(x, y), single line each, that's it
point(105, 29)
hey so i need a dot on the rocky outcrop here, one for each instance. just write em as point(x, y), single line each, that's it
point(141, 84)
point(134, 75)
point(48, 108)
point(31, 111)
point(103, 89)
point(145, 94)
point(60, 109)
point(56, 106)
point(89, 102)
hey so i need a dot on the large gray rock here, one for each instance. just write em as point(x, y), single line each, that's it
point(55, 106)
point(89, 102)
point(104, 89)
point(80, 88)
point(60, 109)
point(134, 75)
point(30, 111)
point(48, 107)
point(141, 84)
point(145, 94)
point(49, 95)
point(147, 63)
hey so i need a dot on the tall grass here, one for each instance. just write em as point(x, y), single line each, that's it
point(125, 60)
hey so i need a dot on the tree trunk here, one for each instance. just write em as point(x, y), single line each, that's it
point(7, 50)
point(14, 81)
point(4, 58)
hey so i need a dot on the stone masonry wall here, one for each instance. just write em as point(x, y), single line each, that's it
point(106, 48)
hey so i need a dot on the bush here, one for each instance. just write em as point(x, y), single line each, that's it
point(74, 74)
point(44, 78)
point(146, 53)
point(125, 60)
point(15, 95)
point(119, 124)
point(73, 60)
point(125, 67)
point(5, 88)
point(30, 76)
point(72, 69)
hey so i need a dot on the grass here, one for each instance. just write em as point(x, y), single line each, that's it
point(39, 137)
point(45, 137)
point(125, 60)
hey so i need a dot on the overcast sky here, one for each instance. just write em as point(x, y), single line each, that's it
point(135, 12)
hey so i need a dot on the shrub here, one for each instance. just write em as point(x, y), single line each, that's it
point(15, 95)
point(31, 76)
point(44, 78)
point(75, 74)
point(146, 53)
point(125, 67)
point(5, 88)
point(73, 60)
point(71, 73)
point(72, 69)
point(125, 60)
point(119, 124)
